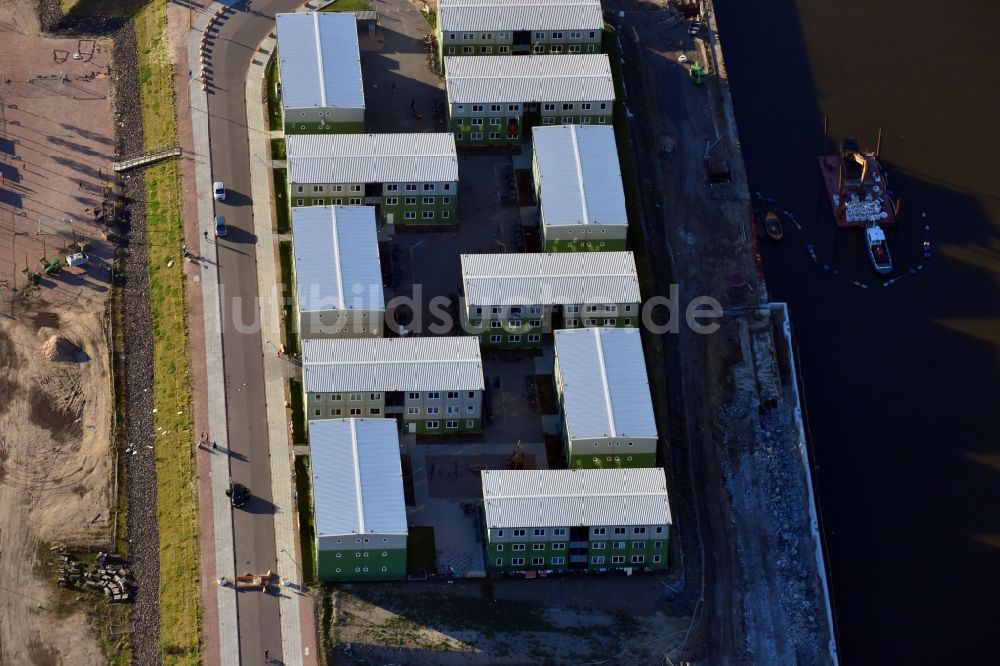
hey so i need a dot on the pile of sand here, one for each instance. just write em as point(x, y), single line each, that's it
point(58, 348)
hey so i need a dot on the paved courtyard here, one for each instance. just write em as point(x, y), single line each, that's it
point(447, 494)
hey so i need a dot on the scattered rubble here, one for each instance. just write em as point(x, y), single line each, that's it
point(107, 575)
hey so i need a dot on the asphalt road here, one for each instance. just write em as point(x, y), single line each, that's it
point(253, 526)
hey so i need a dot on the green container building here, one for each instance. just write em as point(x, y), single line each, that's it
point(603, 389)
point(512, 300)
point(411, 179)
point(578, 184)
point(319, 65)
point(582, 520)
point(492, 100)
point(357, 492)
point(518, 27)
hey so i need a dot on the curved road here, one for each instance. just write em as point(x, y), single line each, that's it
point(253, 527)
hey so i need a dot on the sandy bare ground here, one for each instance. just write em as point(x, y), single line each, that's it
point(571, 620)
point(55, 415)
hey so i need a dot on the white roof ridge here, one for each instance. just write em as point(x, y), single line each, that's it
point(579, 175)
point(357, 476)
point(336, 258)
point(605, 389)
point(319, 59)
point(581, 494)
point(395, 361)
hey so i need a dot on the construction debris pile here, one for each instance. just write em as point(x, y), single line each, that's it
point(113, 578)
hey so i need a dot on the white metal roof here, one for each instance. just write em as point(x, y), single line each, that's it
point(336, 258)
point(320, 61)
point(575, 497)
point(605, 387)
point(450, 363)
point(357, 477)
point(550, 279)
point(581, 181)
point(529, 79)
point(371, 158)
point(500, 15)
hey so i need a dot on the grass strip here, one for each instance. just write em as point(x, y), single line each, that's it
point(307, 521)
point(348, 6)
point(273, 102)
point(278, 149)
point(281, 209)
point(177, 502)
point(420, 550)
point(288, 297)
point(298, 411)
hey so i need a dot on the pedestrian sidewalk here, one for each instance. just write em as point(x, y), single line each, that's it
point(298, 631)
point(219, 474)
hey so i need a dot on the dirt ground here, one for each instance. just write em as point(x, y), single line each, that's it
point(506, 621)
point(55, 415)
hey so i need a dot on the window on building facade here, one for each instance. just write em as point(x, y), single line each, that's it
point(410, 215)
point(537, 561)
point(433, 425)
point(519, 533)
point(538, 546)
point(495, 339)
point(618, 559)
point(494, 136)
point(517, 561)
point(517, 546)
point(597, 559)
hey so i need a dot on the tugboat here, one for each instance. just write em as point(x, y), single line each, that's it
point(878, 249)
point(772, 226)
point(857, 187)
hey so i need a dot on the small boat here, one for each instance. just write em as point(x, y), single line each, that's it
point(878, 249)
point(772, 226)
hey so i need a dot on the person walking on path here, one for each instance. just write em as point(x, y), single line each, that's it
point(393, 87)
point(206, 234)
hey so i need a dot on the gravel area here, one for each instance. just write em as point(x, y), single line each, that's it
point(143, 532)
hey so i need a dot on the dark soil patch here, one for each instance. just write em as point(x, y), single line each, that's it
point(45, 320)
point(525, 187)
point(62, 422)
point(546, 392)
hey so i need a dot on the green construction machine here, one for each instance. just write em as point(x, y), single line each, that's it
point(697, 73)
point(51, 266)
